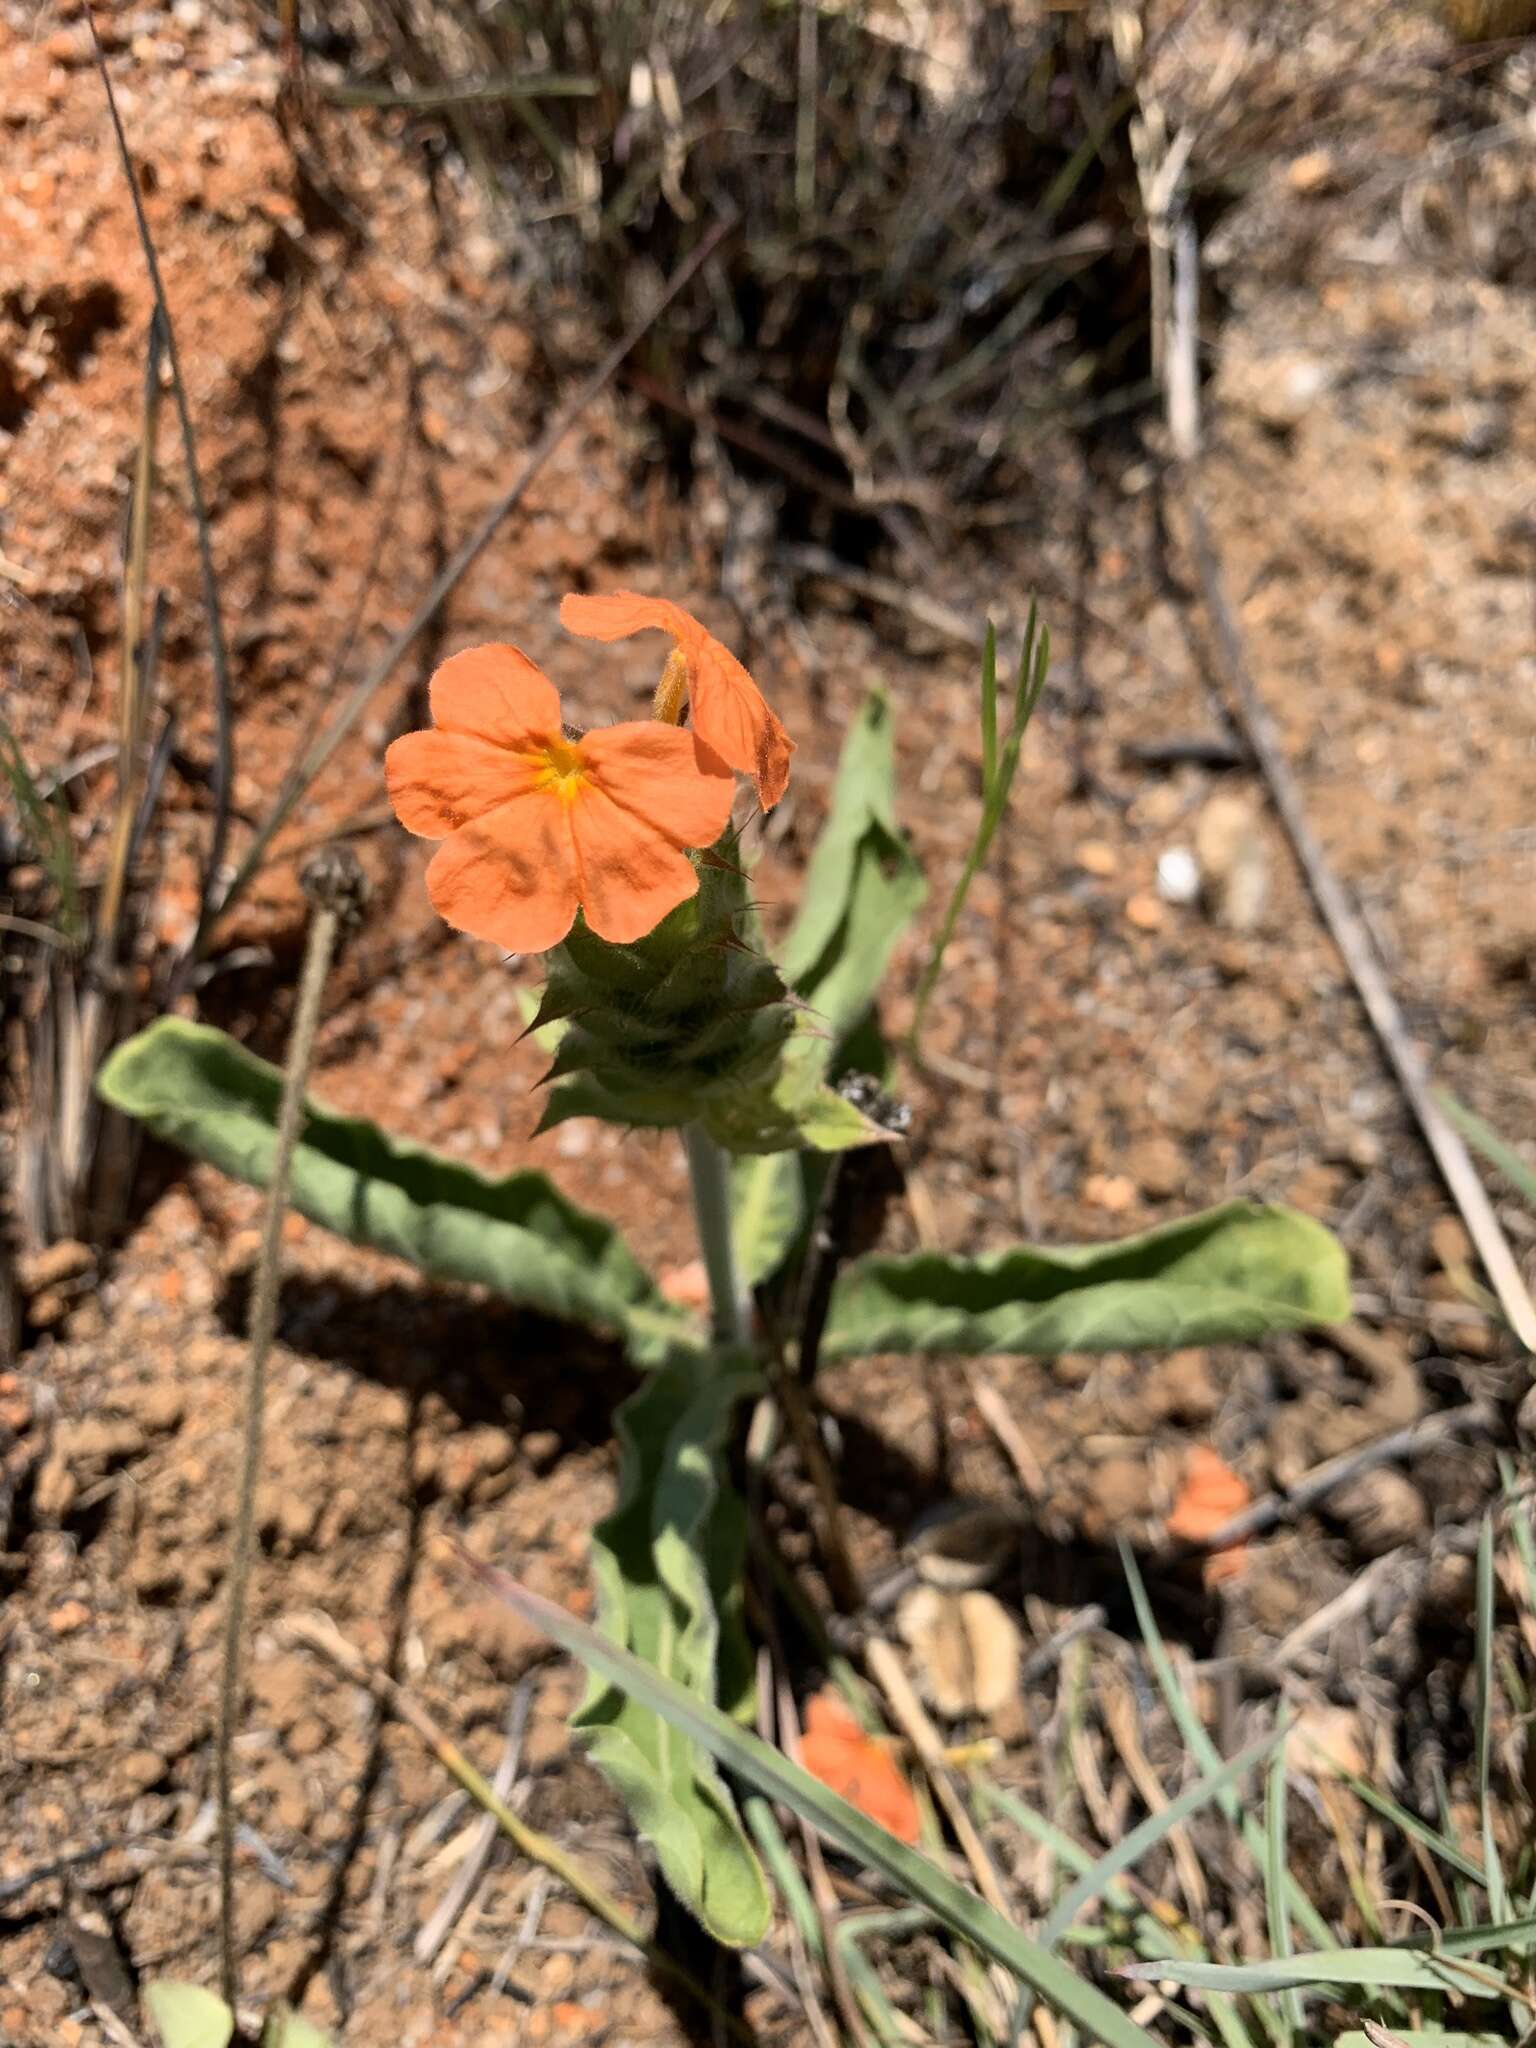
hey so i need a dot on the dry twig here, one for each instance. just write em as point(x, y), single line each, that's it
point(1344, 922)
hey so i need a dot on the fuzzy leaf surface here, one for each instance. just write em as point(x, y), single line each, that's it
point(197, 1088)
point(1227, 1275)
point(863, 885)
point(670, 1549)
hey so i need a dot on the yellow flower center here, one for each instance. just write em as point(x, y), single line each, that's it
point(672, 690)
point(561, 769)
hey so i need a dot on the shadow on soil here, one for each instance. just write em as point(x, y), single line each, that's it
point(485, 1360)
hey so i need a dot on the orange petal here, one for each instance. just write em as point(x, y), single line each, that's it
point(1211, 1493)
point(653, 771)
point(438, 781)
point(730, 716)
point(616, 614)
point(510, 877)
point(629, 873)
point(497, 693)
point(861, 1770)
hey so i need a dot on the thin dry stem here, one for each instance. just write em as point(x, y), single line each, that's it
point(320, 1634)
point(321, 945)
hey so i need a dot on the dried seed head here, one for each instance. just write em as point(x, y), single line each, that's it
point(333, 880)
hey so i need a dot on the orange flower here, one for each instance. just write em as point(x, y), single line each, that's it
point(1210, 1495)
point(730, 719)
point(538, 825)
point(835, 1749)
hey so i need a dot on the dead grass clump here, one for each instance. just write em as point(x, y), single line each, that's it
point(938, 251)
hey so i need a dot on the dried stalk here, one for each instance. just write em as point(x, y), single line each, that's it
point(1345, 925)
point(333, 883)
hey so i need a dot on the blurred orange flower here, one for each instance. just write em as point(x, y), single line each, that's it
point(731, 721)
point(1209, 1496)
point(538, 825)
point(835, 1749)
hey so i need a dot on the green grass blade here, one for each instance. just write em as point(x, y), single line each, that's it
point(1205, 1753)
point(1412, 1824)
point(989, 713)
point(1498, 1897)
point(1519, 1935)
point(772, 1774)
point(45, 824)
point(860, 1972)
point(1493, 1148)
point(996, 781)
point(1275, 1868)
point(1132, 1847)
point(784, 1872)
point(1377, 1969)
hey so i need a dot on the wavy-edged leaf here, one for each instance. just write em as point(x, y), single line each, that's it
point(187, 2016)
point(673, 1545)
point(770, 1772)
point(863, 885)
point(199, 1089)
point(1228, 1274)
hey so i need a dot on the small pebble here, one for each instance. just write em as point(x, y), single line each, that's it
point(1178, 876)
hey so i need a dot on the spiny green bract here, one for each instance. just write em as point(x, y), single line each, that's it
point(692, 1024)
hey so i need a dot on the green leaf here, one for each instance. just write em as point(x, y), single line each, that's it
point(772, 1774)
point(676, 1540)
point(197, 1088)
point(287, 2029)
point(767, 1212)
point(1228, 1274)
point(862, 887)
point(791, 1108)
point(187, 2016)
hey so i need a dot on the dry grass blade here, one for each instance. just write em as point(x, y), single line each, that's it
point(133, 698)
point(436, 1930)
point(1119, 1713)
point(318, 1633)
point(1345, 925)
point(223, 717)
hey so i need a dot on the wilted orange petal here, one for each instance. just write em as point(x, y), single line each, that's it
point(497, 693)
point(511, 876)
point(438, 781)
point(652, 771)
point(616, 614)
point(629, 874)
point(1210, 1495)
point(836, 1750)
point(730, 716)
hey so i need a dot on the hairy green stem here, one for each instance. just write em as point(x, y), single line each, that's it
point(319, 948)
point(709, 1177)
